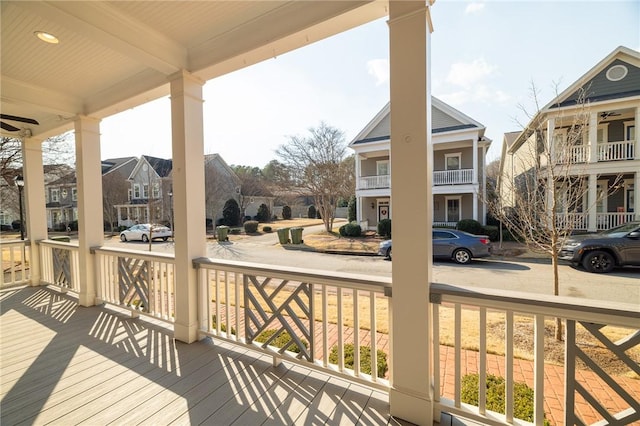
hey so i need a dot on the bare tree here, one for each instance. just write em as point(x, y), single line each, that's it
point(317, 164)
point(55, 150)
point(543, 202)
point(114, 192)
point(253, 184)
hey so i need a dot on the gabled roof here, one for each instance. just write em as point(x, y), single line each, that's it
point(217, 159)
point(111, 164)
point(68, 179)
point(597, 88)
point(160, 166)
point(444, 118)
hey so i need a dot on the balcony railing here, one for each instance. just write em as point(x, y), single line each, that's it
point(573, 155)
point(374, 182)
point(524, 317)
point(611, 220)
point(15, 263)
point(60, 264)
point(141, 282)
point(575, 221)
point(303, 316)
point(453, 177)
point(604, 221)
point(612, 151)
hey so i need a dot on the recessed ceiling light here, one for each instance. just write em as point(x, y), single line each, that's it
point(46, 37)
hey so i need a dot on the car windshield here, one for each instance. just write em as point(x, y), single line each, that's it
point(621, 231)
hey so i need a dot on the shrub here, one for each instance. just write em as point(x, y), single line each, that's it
point(16, 225)
point(365, 359)
point(523, 396)
point(351, 229)
point(318, 215)
point(251, 226)
point(231, 212)
point(223, 327)
point(266, 229)
point(471, 226)
point(235, 231)
point(263, 214)
point(311, 212)
point(492, 231)
point(281, 341)
point(351, 209)
point(286, 212)
point(73, 225)
point(384, 228)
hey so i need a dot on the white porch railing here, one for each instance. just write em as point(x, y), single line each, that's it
point(481, 306)
point(314, 317)
point(16, 255)
point(606, 221)
point(620, 150)
point(575, 221)
point(374, 182)
point(141, 282)
point(573, 155)
point(453, 177)
point(60, 265)
point(445, 224)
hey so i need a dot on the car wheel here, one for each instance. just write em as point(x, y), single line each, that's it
point(123, 238)
point(389, 253)
point(598, 262)
point(145, 239)
point(165, 238)
point(462, 256)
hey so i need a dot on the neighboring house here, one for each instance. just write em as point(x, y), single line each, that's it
point(149, 199)
point(607, 154)
point(62, 208)
point(115, 186)
point(459, 177)
point(221, 184)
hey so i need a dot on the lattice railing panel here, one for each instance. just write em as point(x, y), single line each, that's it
point(265, 310)
point(134, 282)
point(62, 267)
point(618, 351)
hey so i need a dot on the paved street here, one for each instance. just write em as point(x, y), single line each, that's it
point(533, 275)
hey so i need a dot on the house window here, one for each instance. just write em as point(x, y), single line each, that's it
point(156, 190)
point(452, 161)
point(55, 195)
point(629, 131)
point(452, 214)
point(601, 196)
point(74, 194)
point(145, 191)
point(382, 168)
point(129, 194)
point(136, 190)
point(5, 219)
point(603, 133)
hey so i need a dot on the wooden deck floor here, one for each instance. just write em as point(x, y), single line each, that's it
point(62, 364)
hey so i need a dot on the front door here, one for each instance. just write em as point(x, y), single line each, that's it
point(383, 210)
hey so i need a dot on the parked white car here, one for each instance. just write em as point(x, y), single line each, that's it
point(142, 231)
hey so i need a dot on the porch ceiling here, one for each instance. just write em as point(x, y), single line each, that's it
point(114, 55)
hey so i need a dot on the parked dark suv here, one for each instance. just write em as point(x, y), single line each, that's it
point(604, 251)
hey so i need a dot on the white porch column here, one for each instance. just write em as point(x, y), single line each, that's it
point(483, 190)
point(592, 199)
point(474, 179)
point(551, 127)
point(593, 137)
point(90, 223)
point(188, 197)
point(411, 395)
point(636, 189)
point(637, 151)
point(35, 212)
point(358, 170)
point(475, 207)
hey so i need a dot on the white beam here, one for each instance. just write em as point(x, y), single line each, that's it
point(411, 394)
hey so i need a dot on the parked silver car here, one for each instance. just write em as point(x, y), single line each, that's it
point(458, 246)
point(142, 231)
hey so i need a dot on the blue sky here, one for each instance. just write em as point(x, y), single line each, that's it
point(484, 58)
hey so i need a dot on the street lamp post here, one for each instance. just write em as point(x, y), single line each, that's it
point(19, 181)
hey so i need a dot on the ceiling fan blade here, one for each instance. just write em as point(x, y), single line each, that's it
point(20, 119)
point(8, 127)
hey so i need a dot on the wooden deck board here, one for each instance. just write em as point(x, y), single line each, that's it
point(63, 364)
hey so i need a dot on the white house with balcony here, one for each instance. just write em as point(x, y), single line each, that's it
point(604, 104)
point(458, 150)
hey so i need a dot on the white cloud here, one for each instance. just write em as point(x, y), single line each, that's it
point(474, 7)
point(467, 74)
point(478, 94)
point(379, 68)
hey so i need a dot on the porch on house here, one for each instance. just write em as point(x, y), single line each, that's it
point(66, 364)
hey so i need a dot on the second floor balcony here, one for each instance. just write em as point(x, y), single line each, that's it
point(606, 151)
point(440, 177)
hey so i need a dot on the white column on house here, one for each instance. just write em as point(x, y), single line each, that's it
point(90, 223)
point(475, 161)
point(636, 190)
point(637, 149)
point(551, 127)
point(483, 190)
point(35, 211)
point(475, 207)
point(411, 395)
point(592, 200)
point(593, 137)
point(358, 170)
point(188, 196)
